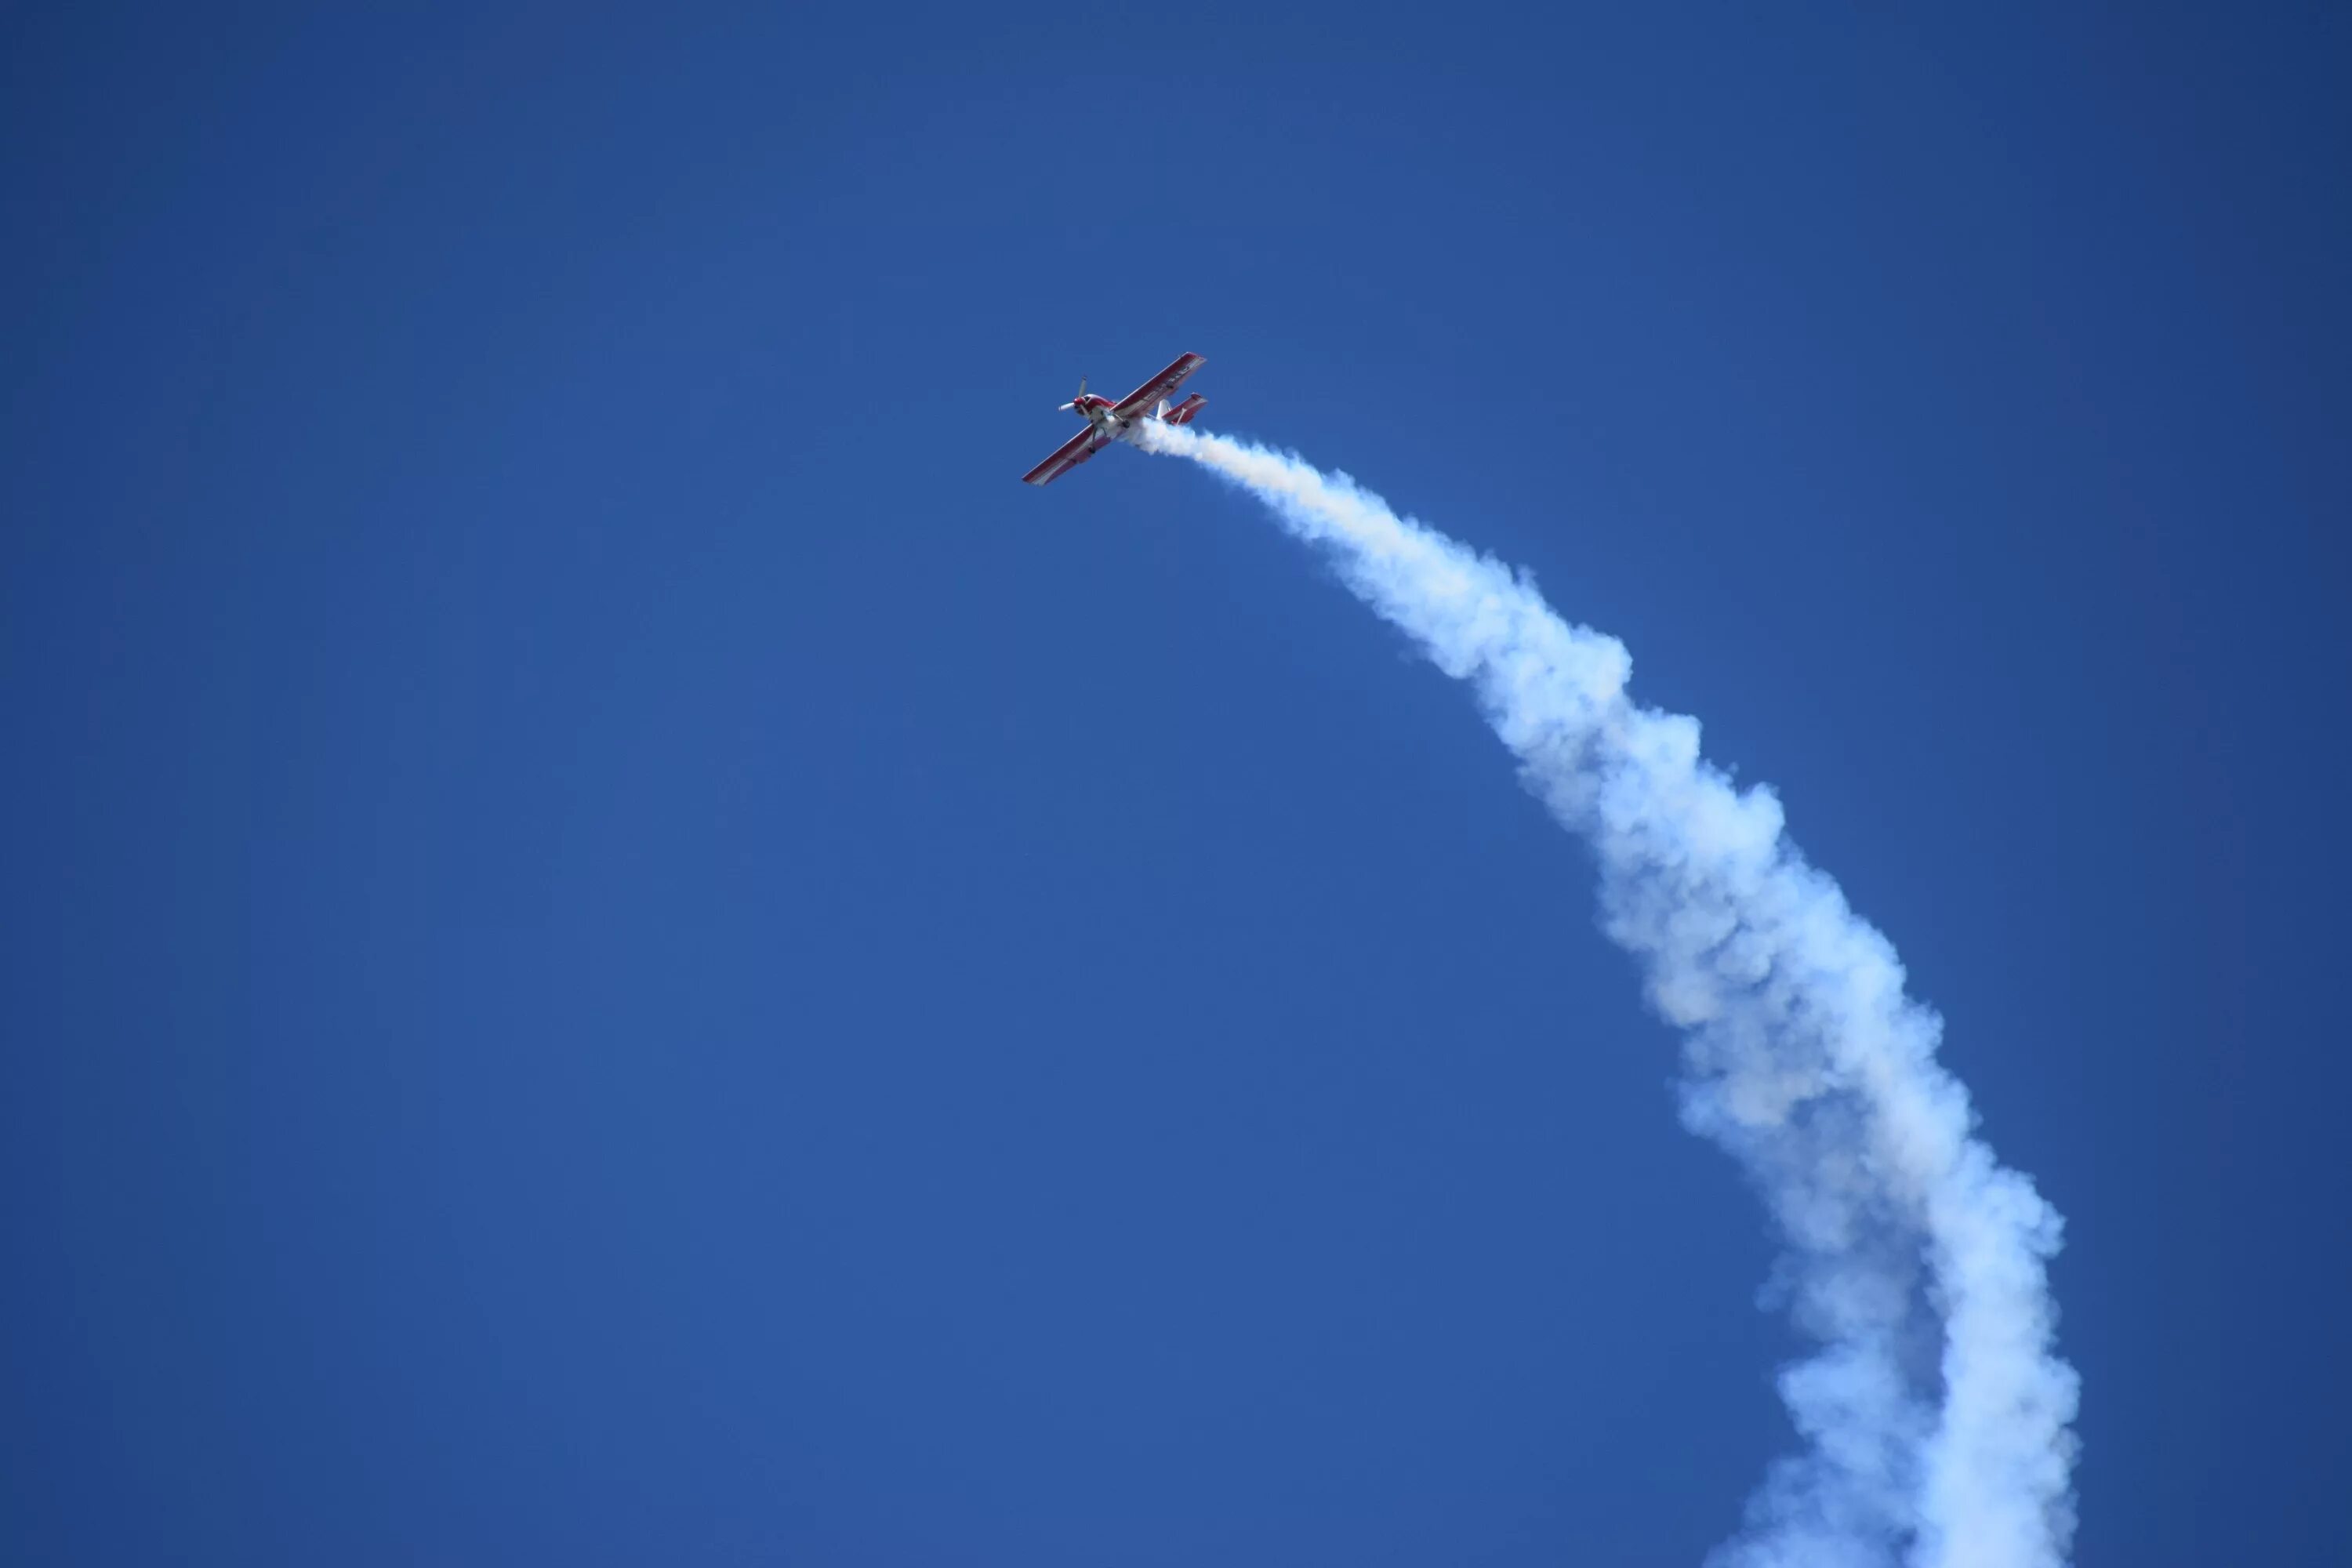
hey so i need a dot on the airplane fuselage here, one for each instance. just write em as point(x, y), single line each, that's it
point(1103, 415)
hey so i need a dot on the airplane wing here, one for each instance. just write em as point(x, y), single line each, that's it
point(1072, 452)
point(1164, 384)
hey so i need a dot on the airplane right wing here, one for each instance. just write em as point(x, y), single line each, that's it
point(1164, 384)
point(1072, 452)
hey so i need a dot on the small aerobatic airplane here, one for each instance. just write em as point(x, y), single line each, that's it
point(1108, 421)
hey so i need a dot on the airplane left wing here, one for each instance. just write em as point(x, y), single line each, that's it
point(1072, 452)
point(1164, 384)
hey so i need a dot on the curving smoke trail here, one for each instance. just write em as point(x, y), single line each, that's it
point(1935, 1409)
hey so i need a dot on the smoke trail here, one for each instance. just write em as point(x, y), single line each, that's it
point(1934, 1410)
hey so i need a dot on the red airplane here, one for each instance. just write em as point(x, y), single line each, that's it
point(1108, 421)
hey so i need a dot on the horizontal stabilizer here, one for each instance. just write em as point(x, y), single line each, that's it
point(1182, 413)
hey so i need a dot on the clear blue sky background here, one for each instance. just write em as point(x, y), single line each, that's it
point(618, 950)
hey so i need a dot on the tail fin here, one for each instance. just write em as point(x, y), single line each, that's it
point(1183, 413)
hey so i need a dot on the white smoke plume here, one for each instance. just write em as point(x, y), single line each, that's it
point(1935, 1411)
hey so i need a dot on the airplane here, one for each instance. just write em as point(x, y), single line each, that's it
point(1108, 421)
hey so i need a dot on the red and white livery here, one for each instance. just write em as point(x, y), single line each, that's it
point(1108, 421)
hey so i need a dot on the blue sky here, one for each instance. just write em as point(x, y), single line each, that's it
point(619, 950)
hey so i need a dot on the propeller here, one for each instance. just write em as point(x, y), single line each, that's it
point(1074, 402)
